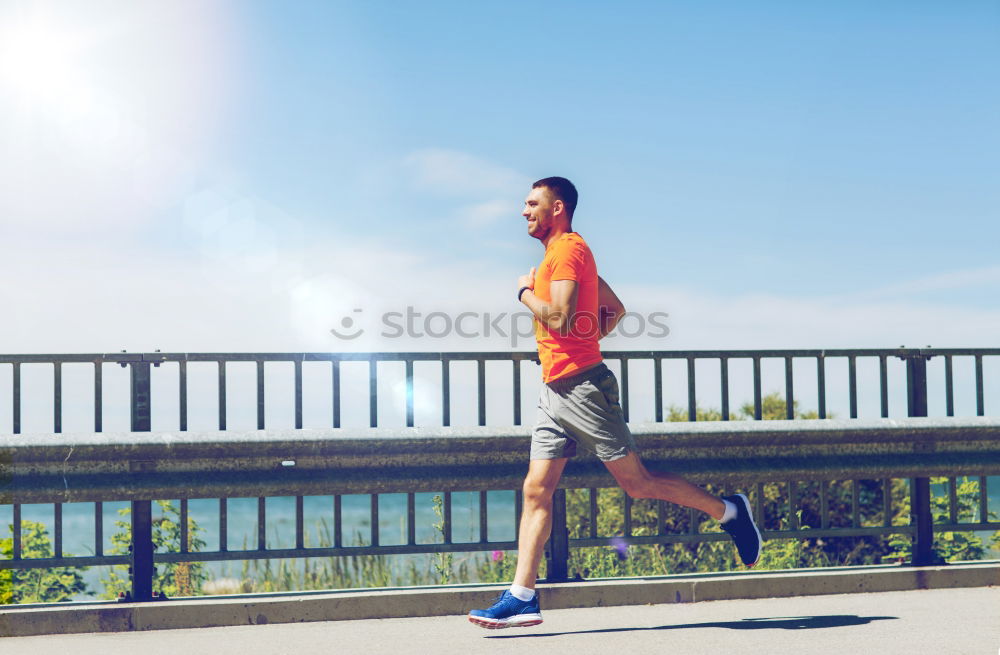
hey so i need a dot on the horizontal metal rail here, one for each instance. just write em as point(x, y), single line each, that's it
point(487, 355)
point(724, 358)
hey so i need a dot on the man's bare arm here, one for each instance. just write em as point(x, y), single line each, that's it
point(557, 314)
point(609, 307)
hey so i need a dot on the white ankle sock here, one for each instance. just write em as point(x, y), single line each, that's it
point(521, 593)
point(730, 512)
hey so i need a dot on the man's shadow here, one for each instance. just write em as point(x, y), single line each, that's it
point(768, 623)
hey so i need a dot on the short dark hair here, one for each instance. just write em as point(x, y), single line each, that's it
point(562, 189)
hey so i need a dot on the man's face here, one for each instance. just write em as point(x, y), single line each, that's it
point(539, 210)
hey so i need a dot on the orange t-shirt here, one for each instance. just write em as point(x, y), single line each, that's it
point(569, 258)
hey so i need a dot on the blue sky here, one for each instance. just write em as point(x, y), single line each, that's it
point(740, 139)
point(767, 172)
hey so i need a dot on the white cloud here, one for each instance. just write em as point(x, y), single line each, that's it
point(488, 191)
point(711, 321)
point(949, 280)
point(252, 278)
point(461, 174)
point(486, 212)
point(256, 281)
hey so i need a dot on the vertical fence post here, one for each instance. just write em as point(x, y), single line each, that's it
point(142, 510)
point(558, 564)
point(920, 491)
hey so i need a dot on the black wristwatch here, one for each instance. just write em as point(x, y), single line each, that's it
point(520, 292)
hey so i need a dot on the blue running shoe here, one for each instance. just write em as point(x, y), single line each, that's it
point(743, 530)
point(508, 612)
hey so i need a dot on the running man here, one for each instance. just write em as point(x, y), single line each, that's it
point(579, 404)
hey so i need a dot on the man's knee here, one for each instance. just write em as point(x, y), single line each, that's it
point(635, 488)
point(663, 486)
point(536, 492)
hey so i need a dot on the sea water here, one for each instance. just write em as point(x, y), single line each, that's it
point(318, 517)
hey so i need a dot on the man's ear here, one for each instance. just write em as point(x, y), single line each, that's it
point(558, 207)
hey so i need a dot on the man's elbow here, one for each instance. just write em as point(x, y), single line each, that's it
point(559, 322)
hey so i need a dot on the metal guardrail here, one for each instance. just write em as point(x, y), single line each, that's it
point(141, 467)
point(137, 467)
point(71, 468)
point(140, 364)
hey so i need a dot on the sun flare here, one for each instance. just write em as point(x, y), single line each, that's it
point(107, 107)
point(40, 63)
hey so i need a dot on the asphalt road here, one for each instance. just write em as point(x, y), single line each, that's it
point(960, 621)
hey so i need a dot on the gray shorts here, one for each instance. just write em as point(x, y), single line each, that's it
point(582, 409)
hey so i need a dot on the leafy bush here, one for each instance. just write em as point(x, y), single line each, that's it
point(50, 585)
point(176, 578)
point(6, 587)
point(951, 546)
